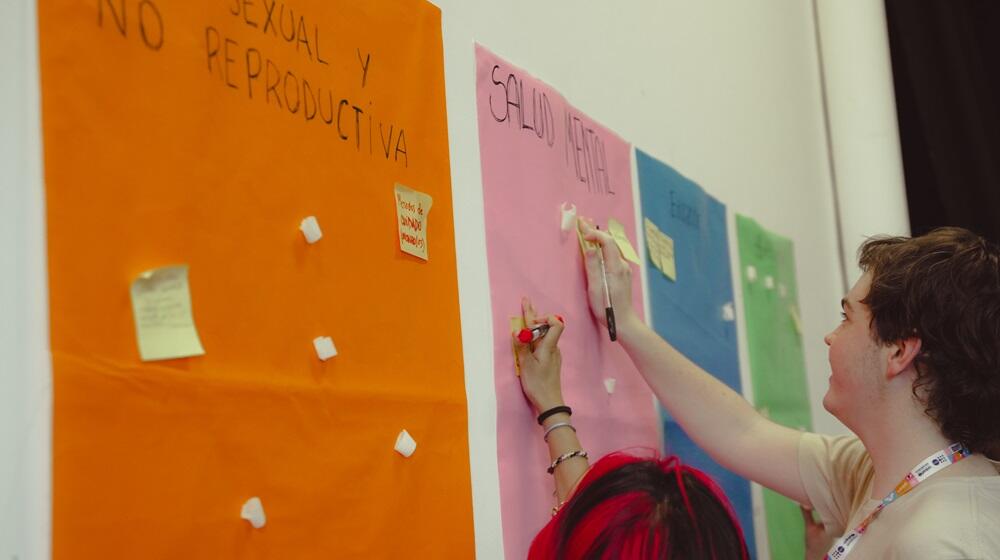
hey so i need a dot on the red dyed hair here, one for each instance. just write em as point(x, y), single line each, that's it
point(633, 507)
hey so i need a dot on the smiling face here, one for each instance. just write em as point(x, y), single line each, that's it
point(856, 360)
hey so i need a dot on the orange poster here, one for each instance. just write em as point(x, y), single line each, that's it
point(187, 141)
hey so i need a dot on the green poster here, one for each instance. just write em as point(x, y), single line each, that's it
point(777, 361)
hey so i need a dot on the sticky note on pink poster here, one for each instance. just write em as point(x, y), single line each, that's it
point(412, 208)
point(540, 156)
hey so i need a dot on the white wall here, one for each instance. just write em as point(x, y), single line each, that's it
point(25, 386)
point(729, 95)
point(864, 135)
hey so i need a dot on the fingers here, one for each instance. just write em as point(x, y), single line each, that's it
point(613, 259)
point(592, 265)
point(528, 312)
point(591, 261)
point(521, 350)
point(550, 341)
point(590, 231)
point(807, 516)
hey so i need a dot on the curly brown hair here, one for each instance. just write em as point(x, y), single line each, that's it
point(944, 287)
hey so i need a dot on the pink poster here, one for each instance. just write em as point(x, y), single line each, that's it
point(538, 152)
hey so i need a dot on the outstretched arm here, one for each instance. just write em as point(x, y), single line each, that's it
point(718, 419)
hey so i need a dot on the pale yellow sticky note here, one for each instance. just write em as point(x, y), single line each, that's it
point(516, 324)
point(412, 208)
point(661, 249)
point(161, 307)
point(617, 231)
point(652, 242)
point(667, 262)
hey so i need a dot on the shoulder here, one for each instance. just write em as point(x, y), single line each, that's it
point(951, 518)
point(836, 473)
point(836, 460)
point(846, 451)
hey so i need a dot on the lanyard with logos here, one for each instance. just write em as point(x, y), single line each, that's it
point(939, 461)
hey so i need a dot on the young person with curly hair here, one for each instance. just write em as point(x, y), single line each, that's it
point(915, 375)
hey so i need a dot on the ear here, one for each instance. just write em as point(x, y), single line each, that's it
point(902, 354)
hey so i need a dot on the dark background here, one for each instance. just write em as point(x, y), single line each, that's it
point(946, 71)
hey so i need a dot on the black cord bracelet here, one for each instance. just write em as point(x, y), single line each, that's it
point(552, 411)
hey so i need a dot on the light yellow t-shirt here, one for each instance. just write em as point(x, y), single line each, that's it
point(943, 518)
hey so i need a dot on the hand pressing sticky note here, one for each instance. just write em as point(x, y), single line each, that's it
point(584, 244)
point(161, 307)
point(412, 208)
point(617, 231)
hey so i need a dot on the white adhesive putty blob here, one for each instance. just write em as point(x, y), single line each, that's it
point(310, 229)
point(253, 511)
point(324, 347)
point(405, 444)
point(568, 216)
point(728, 312)
point(751, 273)
point(769, 282)
point(609, 385)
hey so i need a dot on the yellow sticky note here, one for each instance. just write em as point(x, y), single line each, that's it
point(661, 249)
point(667, 262)
point(161, 307)
point(617, 231)
point(652, 242)
point(516, 324)
point(412, 208)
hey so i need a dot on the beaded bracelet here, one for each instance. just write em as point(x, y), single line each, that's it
point(545, 436)
point(565, 456)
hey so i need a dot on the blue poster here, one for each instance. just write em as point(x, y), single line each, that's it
point(691, 301)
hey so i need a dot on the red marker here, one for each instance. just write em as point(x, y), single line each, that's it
point(531, 335)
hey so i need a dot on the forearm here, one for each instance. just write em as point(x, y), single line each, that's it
point(563, 440)
point(717, 418)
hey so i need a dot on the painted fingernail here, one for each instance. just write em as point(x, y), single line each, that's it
point(561, 320)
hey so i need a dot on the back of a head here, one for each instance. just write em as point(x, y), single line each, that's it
point(629, 507)
point(944, 288)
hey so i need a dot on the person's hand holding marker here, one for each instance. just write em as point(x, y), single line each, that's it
point(537, 348)
point(538, 353)
point(615, 277)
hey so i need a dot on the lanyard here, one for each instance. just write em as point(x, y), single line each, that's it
point(939, 461)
